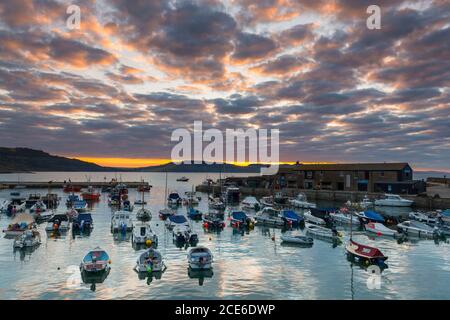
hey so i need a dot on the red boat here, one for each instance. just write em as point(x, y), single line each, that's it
point(70, 188)
point(91, 195)
point(363, 252)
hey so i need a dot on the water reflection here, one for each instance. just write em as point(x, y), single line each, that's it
point(201, 275)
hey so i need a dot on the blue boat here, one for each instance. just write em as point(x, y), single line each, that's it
point(291, 217)
point(240, 219)
point(83, 223)
point(194, 214)
point(445, 216)
point(370, 216)
point(80, 205)
point(72, 198)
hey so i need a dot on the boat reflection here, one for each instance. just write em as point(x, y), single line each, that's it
point(200, 275)
point(24, 252)
point(122, 236)
point(94, 278)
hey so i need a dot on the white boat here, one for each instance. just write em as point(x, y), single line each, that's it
point(321, 232)
point(297, 239)
point(183, 179)
point(143, 234)
point(96, 261)
point(59, 222)
point(380, 229)
point(301, 202)
point(121, 222)
point(176, 220)
point(150, 261)
point(144, 214)
point(365, 203)
point(421, 217)
point(313, 219)
point(267, 201)
point(344, 218)
point(250, 203)
point(20, 223)
point(215, 204)
point(393, 200)
point(416, 228)
point(28, 239)
point(183, 234)
point(200, 258)
point(269, 216)
point(39, 206)
point(165, 213)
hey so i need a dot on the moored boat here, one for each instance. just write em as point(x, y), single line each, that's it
point(91, 194)
point(176, 220)
point(144, 214)
point(393, 200)
point(200, 258)
point(150, 261)
point(292, 218)
point(301, 202)
point(183, 179)
point(96, 261)
point(418, 229)
point(322, 233)
point(239, 219)
point(269, 216)
point(344, 217)
point(58, 223)
point(445, 216)
point(194, 214)
point(313, 219)
point(250, 203)
point(143, 234)
point(297, 239)
point(422, 217)
point(83, 223)
point(370, 216)
point(365, 253)
point(121, 222)
point(380, 229)
point(20, 223)
point(28, 239)
point(174, 199)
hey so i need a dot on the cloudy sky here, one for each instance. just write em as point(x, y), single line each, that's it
point(136, 70)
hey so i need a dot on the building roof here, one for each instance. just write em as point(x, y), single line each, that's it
point(385, 166)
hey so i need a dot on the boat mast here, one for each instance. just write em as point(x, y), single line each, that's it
point(351, 225)
point(165, 191)
point(142, 189)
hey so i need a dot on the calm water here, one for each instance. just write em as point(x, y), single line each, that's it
point(247, 266)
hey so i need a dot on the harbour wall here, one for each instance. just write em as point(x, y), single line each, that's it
point(421, 202)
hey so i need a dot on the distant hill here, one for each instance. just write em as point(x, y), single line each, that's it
point(29, 160)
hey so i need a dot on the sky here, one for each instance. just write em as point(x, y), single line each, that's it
point(114, 90)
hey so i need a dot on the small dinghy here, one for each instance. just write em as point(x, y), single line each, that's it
point(297, 239)
point(380, 229)
point(20, 223)
point(150, 261)
point(200, 258)
point(143, 234)
point(139, 202)
point(144, 215)
point(269, 216)
point(239, 219)
point(418, 229)
point(292, 218)
point(322, 233)
point(28, 239)
point(421, 217)
point(365, 253)
point(83, 223)
point(313, 219)
point(194, 214)
point(58, 223)
point(96, 261)
point(121, 222)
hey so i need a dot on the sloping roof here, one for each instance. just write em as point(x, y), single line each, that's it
point(345, 167)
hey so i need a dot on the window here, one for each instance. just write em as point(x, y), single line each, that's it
point(382, 173)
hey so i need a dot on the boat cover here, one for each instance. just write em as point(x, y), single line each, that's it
point(372, 215)
point(177, 219)
point(289, 214)
point(239, 215)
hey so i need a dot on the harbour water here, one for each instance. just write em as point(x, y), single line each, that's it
point(253, 265)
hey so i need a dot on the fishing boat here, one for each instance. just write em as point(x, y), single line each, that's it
point(269, 216)
point(215, 203)
point(58, 223)
point(370, 216)
point(144, 214)
point(313, 219)
point(176, 220)
point(96, 261)
point(344, 217)
point(250, 203)
point(20, 223)
point(418, 229)
point(91, 194)
point(39, 206)
point(364, 253)
point(393, 200)
point(150, 261)
point(239, 219)
point(83, 223)
point(200, 258)
point(301, 202)
point(28, 239)
point(292, 218)
point(322, 233)
point(174, 199)
point(183, 179)
point(121, 222)
point(297, 239)
point(422, 217)
point(143, 234)
point(194, 214)
point(380, 229)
